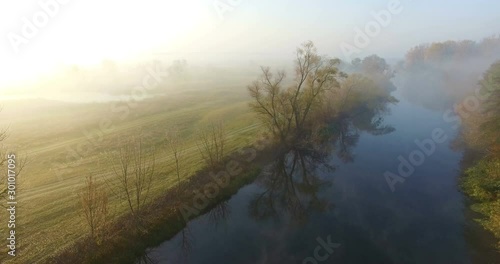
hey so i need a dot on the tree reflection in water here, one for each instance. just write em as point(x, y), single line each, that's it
point(220, 214)
point(292, 183)
point(147, 259)
point(186, 244)
point(348, 130)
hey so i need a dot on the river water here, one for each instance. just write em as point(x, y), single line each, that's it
point(340, 208)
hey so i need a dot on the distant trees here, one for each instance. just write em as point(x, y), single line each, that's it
point(439, 52)
point(285, 108)
point(375, 68)
point(94, 204)
point(179, 69)
point(364, 92)
point(437, 75)
point(178, 66)
point(373, 65)
point(482, 124)
point(491, 124)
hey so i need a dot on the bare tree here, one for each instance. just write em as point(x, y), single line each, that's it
point(271, 102)
point(21, 162)
point(3, 159)
point(211, 144)
point(176, 149)
point(286, 109)
point(94, 203)
point(134, 169)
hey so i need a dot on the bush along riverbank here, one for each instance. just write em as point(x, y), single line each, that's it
point(481, 136)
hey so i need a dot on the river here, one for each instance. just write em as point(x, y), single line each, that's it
point(343, 210)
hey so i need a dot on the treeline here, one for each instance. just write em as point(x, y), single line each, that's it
point(439, 74)
point(451, 51)
point(481, 135)
point(373, 67)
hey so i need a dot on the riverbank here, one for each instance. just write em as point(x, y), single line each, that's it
point(481, 167)
point(344, 196)
point(124, 242)
point(480, 181)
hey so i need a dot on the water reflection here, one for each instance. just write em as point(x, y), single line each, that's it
point(291, 184)
point(278, 218)
point(220, 214)
point(346, 130)
point(186, 244)
point(147, 259)
point(291, 187)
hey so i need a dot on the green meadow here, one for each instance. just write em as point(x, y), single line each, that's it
point(49, 133)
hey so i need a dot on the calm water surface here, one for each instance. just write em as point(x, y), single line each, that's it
point(345, 198)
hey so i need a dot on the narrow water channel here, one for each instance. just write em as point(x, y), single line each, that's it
point(343, 205)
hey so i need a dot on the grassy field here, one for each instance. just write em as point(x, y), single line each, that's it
point(48, 215)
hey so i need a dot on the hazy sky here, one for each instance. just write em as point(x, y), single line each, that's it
point(86, 32)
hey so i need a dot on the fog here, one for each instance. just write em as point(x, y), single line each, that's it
point(309, 120)
point(99, 48)
point(438, 75)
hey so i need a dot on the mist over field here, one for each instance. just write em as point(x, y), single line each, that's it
point(224, 131)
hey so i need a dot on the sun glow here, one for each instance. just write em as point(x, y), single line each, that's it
point(87, 32)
